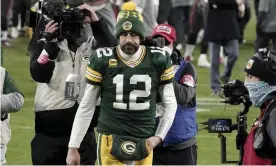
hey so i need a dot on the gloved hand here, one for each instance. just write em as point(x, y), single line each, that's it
point(50, 30)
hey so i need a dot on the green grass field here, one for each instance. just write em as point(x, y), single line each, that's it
point(16, 62)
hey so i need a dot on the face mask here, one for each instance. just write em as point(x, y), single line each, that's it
point(168, 49)
point(259, 92)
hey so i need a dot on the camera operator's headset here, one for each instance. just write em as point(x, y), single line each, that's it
point(268, 58)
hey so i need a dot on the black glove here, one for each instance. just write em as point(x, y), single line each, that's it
point(49, 36)
point(52, 49)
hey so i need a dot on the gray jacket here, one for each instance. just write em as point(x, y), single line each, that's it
point(149, 10)
point(267, 17)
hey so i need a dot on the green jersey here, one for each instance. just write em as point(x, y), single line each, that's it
point(128, 90)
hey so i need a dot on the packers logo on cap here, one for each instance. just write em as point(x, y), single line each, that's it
point(249, 64)
point(127, 25)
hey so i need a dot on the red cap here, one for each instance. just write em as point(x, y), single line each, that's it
point(166, 31)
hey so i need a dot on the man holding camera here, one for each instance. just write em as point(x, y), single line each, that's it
point(179, 146)
point(260, 81)
point(128, 78)
point(58, 65)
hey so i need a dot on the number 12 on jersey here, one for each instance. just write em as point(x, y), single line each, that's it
point(133, 95)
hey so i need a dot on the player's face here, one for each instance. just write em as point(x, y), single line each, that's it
point(129, 42)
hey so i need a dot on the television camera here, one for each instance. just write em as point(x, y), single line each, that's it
point(234, 93)
point(69, 19)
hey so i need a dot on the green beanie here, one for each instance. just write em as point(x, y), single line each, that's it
point(129, 20)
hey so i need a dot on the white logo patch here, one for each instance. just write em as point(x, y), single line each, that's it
point(164, 29)
point(129, 147)
point(249, 64)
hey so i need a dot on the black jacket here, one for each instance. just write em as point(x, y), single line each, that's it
point(222, 21)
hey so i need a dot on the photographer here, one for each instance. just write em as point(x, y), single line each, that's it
point(260, 81)
point(59, 66)
point(179, 146)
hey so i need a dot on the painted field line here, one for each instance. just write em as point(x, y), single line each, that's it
point(202, 110)
point(208, 99)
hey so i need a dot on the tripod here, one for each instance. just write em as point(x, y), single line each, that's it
point(241, 136)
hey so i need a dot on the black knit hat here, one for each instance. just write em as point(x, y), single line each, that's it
point(263, 66)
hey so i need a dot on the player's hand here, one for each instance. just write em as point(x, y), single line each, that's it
point(73, 157)
point(93, 16)
point(153, 142)
point(51, 27)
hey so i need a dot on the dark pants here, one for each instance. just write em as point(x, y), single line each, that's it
point(179, 19)
point(164, 156)
point(263, 41)
point(256, 6)
point(5, 8)
point(20, 7)
point(53, 150)
point(231, 49)
point(243, 22)
point(164, 11)
point(4, 23)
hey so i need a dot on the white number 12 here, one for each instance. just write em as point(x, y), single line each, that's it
point(133, 105)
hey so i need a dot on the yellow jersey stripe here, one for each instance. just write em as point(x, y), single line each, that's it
point(92, 75)
point(166, 74)
point(165, 78)
point(92, 78)
point(93, 72)
point(168, 70)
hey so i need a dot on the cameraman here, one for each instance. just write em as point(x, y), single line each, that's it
point(59, 66)
point(260, 81)
point(179, 146)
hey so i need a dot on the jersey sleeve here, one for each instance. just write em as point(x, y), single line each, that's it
point(94, 71)
point(167, 71)
point(9, 86)
point(188, 76)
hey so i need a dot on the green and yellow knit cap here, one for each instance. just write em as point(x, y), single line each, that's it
point(129, 20)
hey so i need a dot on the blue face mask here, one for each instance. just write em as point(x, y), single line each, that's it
point(259, 92)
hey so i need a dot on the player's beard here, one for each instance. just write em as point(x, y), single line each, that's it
point(129, 48)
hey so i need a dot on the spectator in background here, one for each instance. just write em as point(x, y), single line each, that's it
point(198, 20)
point(104, 10)
point(266, 24)
point(243, 21)
point(179, 19)
point(149, 11)
point(223, 30)
point(19, 7)
point(164, 11)
point(260, 38)
point(5, 8)
point(256, 6)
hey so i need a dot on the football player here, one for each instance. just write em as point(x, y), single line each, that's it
point(128, 78)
